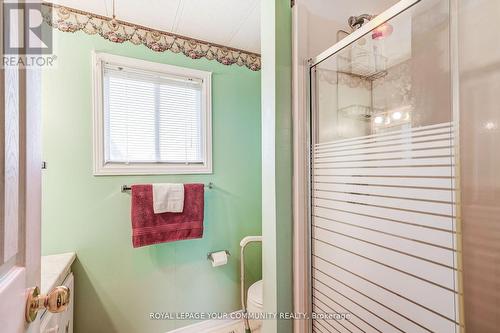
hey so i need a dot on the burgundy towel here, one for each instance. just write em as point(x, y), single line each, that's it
point(150, 228)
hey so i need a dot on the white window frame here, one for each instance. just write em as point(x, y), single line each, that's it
point(101, 167)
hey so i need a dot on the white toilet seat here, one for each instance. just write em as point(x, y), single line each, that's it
point(255, 294)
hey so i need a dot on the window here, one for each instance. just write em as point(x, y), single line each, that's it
point(150, 118)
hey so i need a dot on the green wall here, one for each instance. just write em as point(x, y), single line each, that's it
point(118, 286)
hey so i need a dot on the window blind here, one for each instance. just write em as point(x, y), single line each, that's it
point(151, 117)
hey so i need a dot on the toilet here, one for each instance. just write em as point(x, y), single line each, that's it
point(255, 306)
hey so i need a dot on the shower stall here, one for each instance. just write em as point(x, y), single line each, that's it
point(390, 159)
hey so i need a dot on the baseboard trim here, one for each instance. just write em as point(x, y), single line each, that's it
point(214, 326)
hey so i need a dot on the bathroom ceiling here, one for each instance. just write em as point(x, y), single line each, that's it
point(226, 22)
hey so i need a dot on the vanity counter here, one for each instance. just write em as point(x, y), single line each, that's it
point(55, 268)
point(56, 271)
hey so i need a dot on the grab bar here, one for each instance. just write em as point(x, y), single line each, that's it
point(243, 244)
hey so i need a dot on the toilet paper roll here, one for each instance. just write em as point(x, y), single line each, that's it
point(219, 258)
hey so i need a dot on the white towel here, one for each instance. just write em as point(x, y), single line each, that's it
point(168, 198)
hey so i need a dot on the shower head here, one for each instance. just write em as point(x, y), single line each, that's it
point(382, 31)
point(356, 22)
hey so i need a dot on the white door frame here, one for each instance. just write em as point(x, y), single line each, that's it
point(301, 158)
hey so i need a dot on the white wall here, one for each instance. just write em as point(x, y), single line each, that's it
point(479, 64)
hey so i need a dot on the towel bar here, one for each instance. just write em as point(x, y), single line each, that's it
point(126, 188)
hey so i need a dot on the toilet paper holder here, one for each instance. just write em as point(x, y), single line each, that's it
point(209, 255)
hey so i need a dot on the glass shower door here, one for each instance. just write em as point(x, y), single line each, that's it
point(383, 188)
